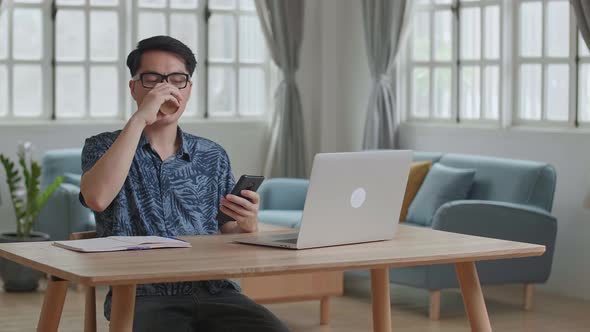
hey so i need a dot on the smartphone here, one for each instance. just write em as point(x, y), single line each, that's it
point(246, 182)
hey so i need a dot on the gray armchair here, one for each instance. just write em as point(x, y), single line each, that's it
point(63, 214)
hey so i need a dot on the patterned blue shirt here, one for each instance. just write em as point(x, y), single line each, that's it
point(177, 196)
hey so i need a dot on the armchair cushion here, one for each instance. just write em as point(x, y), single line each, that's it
point(442, 184)
point(72, 178)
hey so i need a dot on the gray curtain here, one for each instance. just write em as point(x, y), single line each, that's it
point(582, 10)
point(384, 21)
point(282, 25)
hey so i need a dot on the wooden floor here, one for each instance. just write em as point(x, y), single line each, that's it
point(19, 312)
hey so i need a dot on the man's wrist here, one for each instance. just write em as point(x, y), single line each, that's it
point(137, 122)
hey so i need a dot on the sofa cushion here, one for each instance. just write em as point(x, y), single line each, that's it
point(285, 218)
point(418, 172)
point(442, 184)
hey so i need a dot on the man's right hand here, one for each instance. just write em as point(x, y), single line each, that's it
point(149, 109)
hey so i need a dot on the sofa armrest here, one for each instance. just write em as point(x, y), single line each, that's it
point(64, 214)
point(500, 220)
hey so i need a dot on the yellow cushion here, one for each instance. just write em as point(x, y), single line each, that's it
point(418, 172)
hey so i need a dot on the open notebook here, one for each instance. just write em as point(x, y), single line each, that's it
point(118, 243)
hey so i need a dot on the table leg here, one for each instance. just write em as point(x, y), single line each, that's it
point(380, 299)
point(90, 309)
point(53, 304)
point(325, 310)
point(475, 306)
point(122, 308)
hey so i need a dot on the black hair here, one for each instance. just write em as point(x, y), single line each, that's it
point(162, 43)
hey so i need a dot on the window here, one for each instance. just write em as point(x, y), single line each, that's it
point(89, 45)
point(458, 52)
point(455, 60)
point(25, 67)
point(238, 62)
point(545, 61)
point(65, 59)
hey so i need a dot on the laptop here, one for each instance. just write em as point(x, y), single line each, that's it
point(353, 197)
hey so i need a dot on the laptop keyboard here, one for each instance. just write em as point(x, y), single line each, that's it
point(293, 240)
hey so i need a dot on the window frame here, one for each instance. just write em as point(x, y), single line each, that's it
point(45, 62)
point(544, 61)
point(510, 64)
point(237, 63)
point(128, 12)
point(87, 63)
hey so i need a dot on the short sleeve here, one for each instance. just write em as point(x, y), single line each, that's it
point(94, 148)
point(226, 179)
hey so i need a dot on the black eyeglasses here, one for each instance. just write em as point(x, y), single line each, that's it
point(150, 79)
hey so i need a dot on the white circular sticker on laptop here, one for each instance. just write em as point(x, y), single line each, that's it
point(358, 197)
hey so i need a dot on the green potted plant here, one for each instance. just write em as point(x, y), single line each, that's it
point(27, 199)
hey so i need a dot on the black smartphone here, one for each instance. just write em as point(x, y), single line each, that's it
point(246, 182)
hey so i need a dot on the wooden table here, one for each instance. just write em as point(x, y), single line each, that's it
point(217, 257)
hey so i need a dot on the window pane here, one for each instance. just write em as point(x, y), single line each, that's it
point(191, 107)
point(582, 47)
point(70, 2)
point(222, 91)
point(152, 3)
point(530, 92)
point(184, 4)
point(252, 88)
point(443, 35)
point(470, 33)
point(104, 36)
point(421, 36)
point(222, 4)
point(27, 90)
point(104, 2)
point(252, 47)
point(28, 1)
point(442, 93)
point(70, 35)
point(27, 40)
point(557, 30)
point(70, 85)
point(3, 90)
point(104, 91)
point(491, 92)
point(421, 92)
point(184, 28)
point(222, 38)
point(492, 32)
point(557, 95)
point(470, 98)
point(531, 28)
point(247, 5)
point(443, 2)
point(584, 93)
point(3, 34)
point(151, 24)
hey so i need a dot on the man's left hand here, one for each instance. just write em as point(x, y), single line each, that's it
point(243, 210)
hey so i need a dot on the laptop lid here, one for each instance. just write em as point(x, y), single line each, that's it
point(354, 197)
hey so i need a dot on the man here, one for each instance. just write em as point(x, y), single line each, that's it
point(151, 178)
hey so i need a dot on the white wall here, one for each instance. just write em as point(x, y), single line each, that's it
point(345, 88)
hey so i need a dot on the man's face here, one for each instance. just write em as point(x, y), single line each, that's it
point(164, 63)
